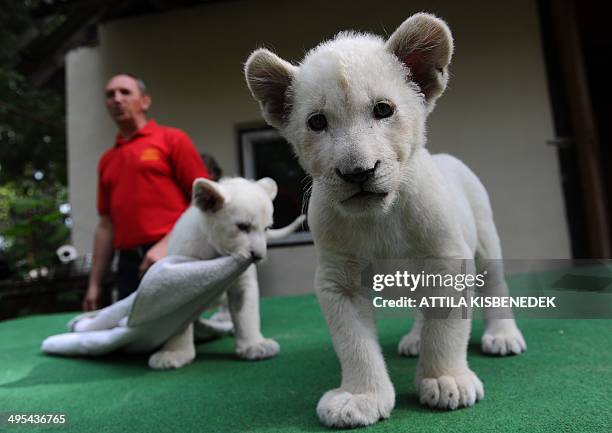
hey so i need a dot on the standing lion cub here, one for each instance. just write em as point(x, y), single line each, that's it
point(355, 112)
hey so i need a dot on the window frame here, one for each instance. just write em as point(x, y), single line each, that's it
point(247, 138)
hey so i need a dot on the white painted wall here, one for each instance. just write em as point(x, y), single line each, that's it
point(495, 114)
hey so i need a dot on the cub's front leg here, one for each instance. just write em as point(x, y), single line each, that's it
point(366, 393)
point(243, 300)
point(177, 352)
point(443, 379)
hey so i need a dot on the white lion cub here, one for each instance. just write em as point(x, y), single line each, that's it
point(227, 218)
point(355, 111)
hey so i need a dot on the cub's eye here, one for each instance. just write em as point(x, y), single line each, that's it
point(382, 110)
point(244, 227)
point(317, 122)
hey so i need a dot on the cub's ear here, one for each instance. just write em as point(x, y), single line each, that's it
point(208, 195)
point(269, 186)
point(425, 45)
point(269, 78)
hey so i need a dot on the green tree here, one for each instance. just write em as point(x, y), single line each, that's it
point(32, 149)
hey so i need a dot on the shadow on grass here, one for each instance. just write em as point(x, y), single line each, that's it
point(54, 370)
point(67, 370)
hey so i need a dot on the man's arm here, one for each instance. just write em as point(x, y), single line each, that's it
point(103, 249)
point(155, 253)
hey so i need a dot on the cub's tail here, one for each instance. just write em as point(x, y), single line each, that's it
point(275, 234)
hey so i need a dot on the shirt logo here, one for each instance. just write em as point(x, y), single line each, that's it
point(150, 154)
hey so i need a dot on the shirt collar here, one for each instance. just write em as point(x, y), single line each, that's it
point(148, 129)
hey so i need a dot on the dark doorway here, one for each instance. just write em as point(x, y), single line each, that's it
point(577, 45)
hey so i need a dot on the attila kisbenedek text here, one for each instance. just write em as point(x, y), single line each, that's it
point(456, 281)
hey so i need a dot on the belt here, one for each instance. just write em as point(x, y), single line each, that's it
point(134, 253)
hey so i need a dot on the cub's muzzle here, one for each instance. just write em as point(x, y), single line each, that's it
point(358, 175)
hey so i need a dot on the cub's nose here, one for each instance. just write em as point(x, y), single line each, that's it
point(358, 175)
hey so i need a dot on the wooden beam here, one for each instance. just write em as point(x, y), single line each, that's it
point(583, 123)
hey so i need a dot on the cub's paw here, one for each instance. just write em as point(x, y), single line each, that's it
point(166, 359)
point(266, 348)
point(341, 409)
point(410, 345)
point(503, 340)
point(450, 392)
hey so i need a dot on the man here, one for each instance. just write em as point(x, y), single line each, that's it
point(144, 185)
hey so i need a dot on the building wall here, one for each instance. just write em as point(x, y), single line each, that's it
point(495, 114)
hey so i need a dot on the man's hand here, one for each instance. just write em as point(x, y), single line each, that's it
point(155, 253)
point(91, 301)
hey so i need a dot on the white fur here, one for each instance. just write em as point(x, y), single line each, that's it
point(204, 234)
point(420, 206)
point(229, 218)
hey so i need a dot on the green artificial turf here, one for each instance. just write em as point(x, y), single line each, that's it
point(563, 383)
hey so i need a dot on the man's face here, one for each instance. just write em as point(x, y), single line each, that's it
point(124, 100)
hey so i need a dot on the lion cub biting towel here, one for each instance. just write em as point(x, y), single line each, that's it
point(355, 112)
point(237, 213)
point(230, 218)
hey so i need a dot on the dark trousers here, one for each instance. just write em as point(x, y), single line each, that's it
point(128, 277)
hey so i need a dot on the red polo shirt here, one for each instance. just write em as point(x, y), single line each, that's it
point(144, 183)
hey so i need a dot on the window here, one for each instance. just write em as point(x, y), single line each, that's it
point(264, 153)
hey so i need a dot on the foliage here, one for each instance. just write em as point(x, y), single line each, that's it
point(32, 124)
point(32, 149)
point(32, 137)
point(34, 227)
